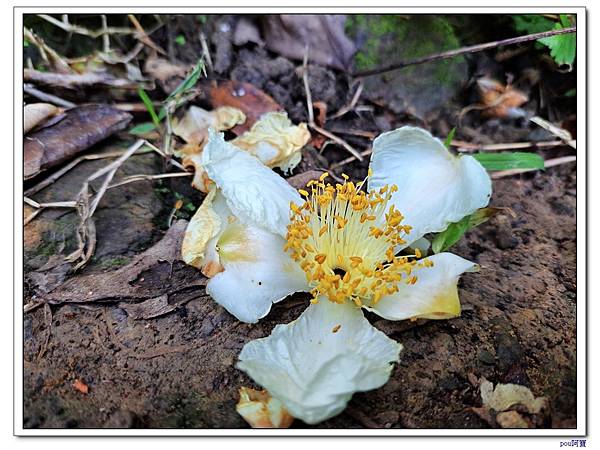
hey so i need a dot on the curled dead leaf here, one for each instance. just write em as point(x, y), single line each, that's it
point(504, 396)
point(499, 100)
point(261, 410)
point(252, 101)
point(38, 113)
point(193, 127)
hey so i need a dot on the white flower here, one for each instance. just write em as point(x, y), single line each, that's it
point(260, 241)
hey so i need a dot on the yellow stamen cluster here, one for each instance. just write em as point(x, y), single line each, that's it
point(345, 240)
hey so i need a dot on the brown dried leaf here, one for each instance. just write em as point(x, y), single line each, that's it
point(504, 396)
point(499, 100)
point(244, 96)
point(76, 80)
point(38, 113)
point(121, 284)
point(193, 127)
point(82, 127)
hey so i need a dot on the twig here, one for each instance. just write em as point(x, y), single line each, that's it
point(105, 36)
point(86, 231)
point(29, 89)
point(142, 36)
point(348, 160)
point(77, 29)
point(41, 206)
point(72, 81)
point(206, 51)
point(548, 163)
point(337, 140)
point(352, 103)
point(142, 177)
point(311, 116)
point(462, 51)
point(463, 146)
point(564, 135)
point(309, 104)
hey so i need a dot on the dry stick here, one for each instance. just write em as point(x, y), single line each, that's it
point(142, 36)
point(462, 51)
point(463, 146)
point(142, 177)
point(548, 163)
point(105, 36)
point(311, 117)
point(77, 29)
point(352, 103)
point(206, 52)
point(29, 89)
point(348, 160)
point(86, 231)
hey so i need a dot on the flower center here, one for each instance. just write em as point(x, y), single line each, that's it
point(345, 240)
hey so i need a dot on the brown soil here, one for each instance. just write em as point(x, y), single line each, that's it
point(177, 370)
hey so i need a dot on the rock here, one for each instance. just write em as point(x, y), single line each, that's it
point(419, 90)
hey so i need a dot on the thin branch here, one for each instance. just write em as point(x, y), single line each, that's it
point(548, 163)
point(462, 51)
point(40, 95)
point(352, 103)
point(77, 29)
point(311, 115)
point(142, 177)
point(463, 146)
point(348, 160)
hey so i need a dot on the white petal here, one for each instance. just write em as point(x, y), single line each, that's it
point(433, 296)
point(435, 188)
point(255, 193)
point(314, 364)
point(257, 271)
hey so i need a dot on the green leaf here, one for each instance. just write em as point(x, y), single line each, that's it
point(451, 235)
point(149, 106)
point(448, 140)
point(142, 128)
point(25, 43)
point(508, 160)
point(563, 47)
point(180, 39)
point(189, 82)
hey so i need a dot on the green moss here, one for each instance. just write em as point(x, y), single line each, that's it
point(394, 38)
point(113, 263)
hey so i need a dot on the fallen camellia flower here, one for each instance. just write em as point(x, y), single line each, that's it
point(261, 410)
point(343, 245)
point(273, 139)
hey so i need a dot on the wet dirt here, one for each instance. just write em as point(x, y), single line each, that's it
point(177, 370)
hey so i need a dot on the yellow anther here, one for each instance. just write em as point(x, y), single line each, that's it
point(323, 176)
point(417, 253)
point(345, 177)
point(303, 192)
point(320, 258)
point(322, 230)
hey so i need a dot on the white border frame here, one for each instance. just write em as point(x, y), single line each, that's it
point(582, 386)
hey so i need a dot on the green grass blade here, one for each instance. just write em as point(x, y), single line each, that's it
point(508, 160)
point(149, 106)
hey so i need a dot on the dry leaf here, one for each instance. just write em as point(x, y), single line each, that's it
point(246, 97)
point(81, 386)
point(82, 127)
point(38, 113)
point(193, 127)
point(499, 100)
point(261, 410)
point(148, 309)
point(506, 395)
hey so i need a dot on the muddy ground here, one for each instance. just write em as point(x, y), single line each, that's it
point(177, 369)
